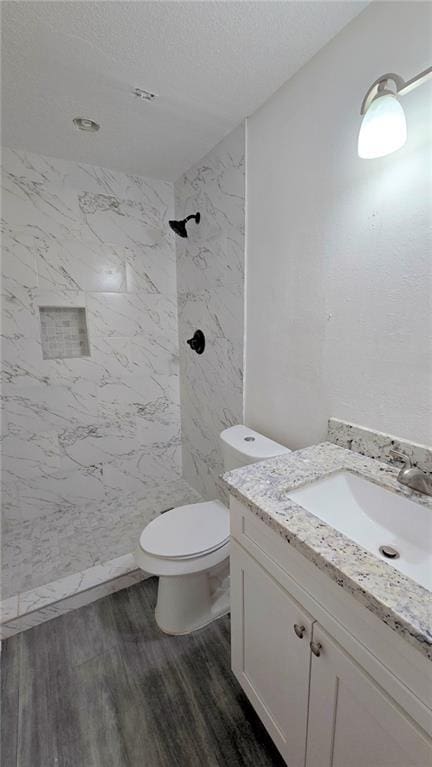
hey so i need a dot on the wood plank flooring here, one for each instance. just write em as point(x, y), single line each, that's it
point(103, 687)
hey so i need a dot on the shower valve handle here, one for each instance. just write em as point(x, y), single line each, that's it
point(197, 342)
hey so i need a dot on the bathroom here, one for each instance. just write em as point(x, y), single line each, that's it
point(216, 542)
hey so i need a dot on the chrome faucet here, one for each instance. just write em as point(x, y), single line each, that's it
point(411, 476)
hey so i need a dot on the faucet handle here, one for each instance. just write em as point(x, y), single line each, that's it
point(396, 455)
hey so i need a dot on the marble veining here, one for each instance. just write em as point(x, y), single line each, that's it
point(402, 604)
point(377, 444)
point(210, 278)
point(91, 445)
point(102, 431)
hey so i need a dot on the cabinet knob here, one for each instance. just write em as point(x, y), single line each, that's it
point(299, 630)
point(316, 648)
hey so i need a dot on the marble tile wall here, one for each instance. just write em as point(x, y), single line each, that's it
point(41, 551)
point(210, 278)
point(93, 432)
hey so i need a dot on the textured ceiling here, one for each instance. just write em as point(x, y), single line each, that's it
point(212, 64)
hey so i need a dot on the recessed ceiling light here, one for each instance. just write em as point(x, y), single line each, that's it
point(145, 95)
point(84, 123)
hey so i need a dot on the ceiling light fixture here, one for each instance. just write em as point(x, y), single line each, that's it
point(84, 123)
point(144, 95)
point(383, 128)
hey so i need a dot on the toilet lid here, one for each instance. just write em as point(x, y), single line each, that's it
point(187, 531)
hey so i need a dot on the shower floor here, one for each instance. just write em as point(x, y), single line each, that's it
point(71, 551)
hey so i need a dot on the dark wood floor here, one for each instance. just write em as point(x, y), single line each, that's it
point(103, 687)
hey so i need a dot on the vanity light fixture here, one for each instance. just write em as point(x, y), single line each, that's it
point(383, 128)
point(85, 124)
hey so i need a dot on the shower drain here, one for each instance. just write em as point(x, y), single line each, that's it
point(389, 552)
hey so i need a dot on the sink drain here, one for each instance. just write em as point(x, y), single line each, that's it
point(389, 552)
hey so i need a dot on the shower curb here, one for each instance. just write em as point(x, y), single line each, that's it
point(30, 608)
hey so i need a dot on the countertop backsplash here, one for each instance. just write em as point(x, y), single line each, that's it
point(377, 444)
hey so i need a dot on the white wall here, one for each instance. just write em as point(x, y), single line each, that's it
point(339, 267)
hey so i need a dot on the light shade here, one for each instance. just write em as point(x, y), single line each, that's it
point(383, 129)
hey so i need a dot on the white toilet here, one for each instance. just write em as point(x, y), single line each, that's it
point(188, 547)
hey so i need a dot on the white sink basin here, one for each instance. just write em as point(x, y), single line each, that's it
point(373, 517)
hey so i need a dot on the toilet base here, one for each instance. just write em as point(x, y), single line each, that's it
point(186, 603)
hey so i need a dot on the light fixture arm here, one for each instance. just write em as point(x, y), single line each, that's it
point(415, 81)
point(402, 86)
point(380, 86)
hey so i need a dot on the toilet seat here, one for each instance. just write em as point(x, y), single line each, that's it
point(187, 532)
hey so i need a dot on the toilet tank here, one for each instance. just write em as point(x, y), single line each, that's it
point(241, 446)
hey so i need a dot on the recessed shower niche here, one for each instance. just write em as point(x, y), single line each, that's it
point(63, 332)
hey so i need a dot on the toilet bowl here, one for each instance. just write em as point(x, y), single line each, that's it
point(188, 546)
point(183, 546)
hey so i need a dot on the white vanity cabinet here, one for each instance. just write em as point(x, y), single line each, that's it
point(324, 697)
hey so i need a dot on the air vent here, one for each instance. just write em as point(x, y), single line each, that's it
point(144, 95)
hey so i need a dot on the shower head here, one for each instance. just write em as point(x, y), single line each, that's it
point(179, 227)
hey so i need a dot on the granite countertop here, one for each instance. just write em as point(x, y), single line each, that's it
point(396, 599)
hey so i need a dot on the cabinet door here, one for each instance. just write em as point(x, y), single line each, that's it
point(352, 721)
point(270, 661)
